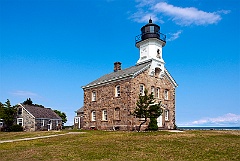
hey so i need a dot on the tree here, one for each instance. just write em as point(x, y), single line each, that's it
point(28, 102)
point(62, 115)
point(9, 113)
point(146, 108)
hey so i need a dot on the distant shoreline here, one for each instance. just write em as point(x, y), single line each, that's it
point(208, 128)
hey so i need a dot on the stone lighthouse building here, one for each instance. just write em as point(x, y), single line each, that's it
point(110, 99)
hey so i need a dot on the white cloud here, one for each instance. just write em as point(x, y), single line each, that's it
point(229, 119)
point(174, 36)
point(24, 94)
point(179, 15)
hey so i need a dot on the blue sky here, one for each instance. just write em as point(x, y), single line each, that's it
point(50, 48)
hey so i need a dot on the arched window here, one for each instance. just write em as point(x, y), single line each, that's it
point(117, 91)
point(104, 115)
point(93, 116)
point(117, 114)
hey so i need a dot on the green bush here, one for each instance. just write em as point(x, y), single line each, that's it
point(16, 128)
point(152, 126)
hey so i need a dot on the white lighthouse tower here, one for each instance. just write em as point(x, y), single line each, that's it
point(150, 43)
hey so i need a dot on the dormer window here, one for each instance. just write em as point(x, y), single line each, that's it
point(141, 90)
point(93, 95)
point(117, 91)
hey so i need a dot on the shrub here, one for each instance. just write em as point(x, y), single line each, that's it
point(16, 128)
point(153, 124)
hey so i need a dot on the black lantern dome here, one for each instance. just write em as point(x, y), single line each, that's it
point(150, 30)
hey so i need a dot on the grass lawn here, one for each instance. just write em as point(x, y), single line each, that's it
point(104, 145)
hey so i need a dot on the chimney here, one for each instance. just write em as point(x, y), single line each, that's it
point(117, 66)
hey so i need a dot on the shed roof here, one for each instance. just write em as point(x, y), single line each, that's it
point(40, 112)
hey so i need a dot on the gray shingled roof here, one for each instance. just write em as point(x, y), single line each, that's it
point(39, 112)
point(121, 74)
point(80, 110)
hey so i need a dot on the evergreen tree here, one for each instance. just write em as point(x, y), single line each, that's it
point(9, 114)
point(146, 108)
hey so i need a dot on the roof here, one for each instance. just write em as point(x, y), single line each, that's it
point(80, 110)
point(40, 112)
point(120, 74)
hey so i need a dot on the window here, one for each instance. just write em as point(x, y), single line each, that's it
point(152, 90)
point(20, 121)
point(157, 72)
point(141, 89)
point(76, 120)
point(117, 114)
point(158, 93)
point(19, 111)
point(104, 115)
point(117, 91)
point(166, 94)
point(94, 96)
point(42, 122)
point(166, 115)
point(93, 116)
point(151, 29)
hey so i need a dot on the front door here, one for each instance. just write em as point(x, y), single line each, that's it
point(159, 121)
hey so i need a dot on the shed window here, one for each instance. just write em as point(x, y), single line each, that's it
point(19, 111)
point(20, 121)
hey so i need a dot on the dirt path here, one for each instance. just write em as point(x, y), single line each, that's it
point(39, 137)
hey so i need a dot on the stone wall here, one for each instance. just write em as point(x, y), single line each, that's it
point(126, 103)
point(28, 121)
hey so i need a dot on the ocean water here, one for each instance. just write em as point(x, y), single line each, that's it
point(208, 128)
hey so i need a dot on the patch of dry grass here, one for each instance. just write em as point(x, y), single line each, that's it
point(102, 145)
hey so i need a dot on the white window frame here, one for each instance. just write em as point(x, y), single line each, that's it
point(166, 93)
point(141, 88)
point(166, 113)
point(76, 120)
point(158, 93)
point(153, 90)
point(94, 95)
point(20, 122)
point(104, 115)
point(117, 91)
point(93, 116)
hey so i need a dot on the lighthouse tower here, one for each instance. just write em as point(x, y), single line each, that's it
point(150, 43)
